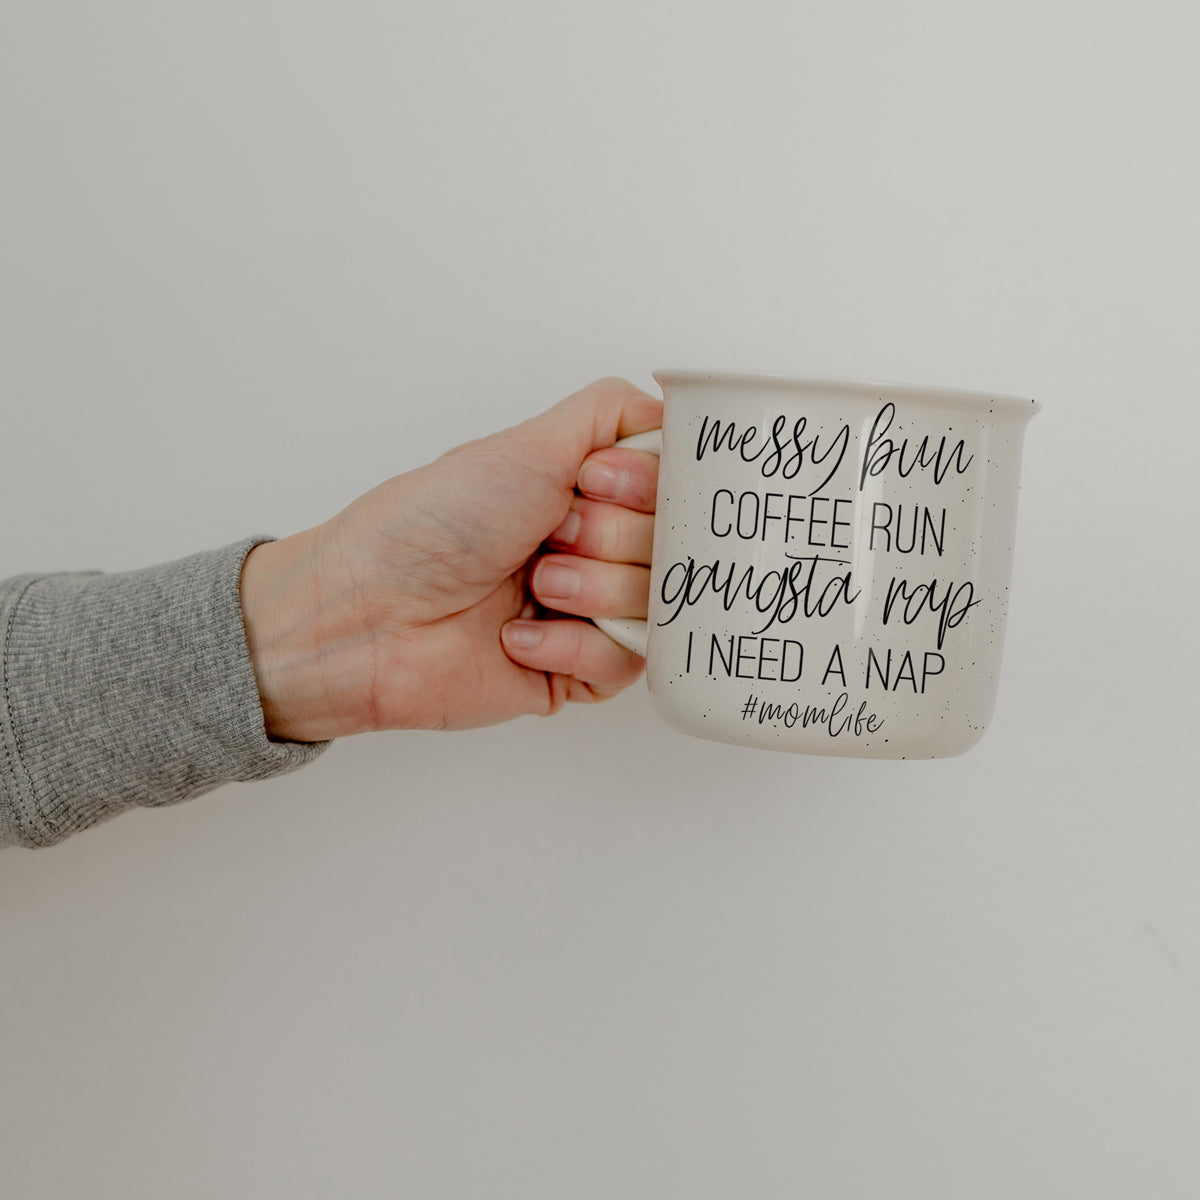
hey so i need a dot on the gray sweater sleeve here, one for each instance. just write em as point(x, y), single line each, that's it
point(127, 689)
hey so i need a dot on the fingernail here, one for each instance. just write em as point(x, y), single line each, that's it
point(556, 581)
point(601, 479)
point(568, 531)
point(522, 635)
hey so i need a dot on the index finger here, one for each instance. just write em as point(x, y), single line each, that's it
point(625, 477)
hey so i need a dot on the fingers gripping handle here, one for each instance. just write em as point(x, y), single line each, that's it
point(628, 631)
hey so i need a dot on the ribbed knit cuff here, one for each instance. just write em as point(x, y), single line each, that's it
point(124, 690)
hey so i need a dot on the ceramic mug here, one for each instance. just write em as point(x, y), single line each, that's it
point(831, 562)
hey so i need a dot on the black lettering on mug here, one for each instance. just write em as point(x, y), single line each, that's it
point(882, 450)
point(781, 451)
point(932, 663)
point(898, 528)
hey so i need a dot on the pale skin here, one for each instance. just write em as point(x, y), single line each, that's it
point(455, 595)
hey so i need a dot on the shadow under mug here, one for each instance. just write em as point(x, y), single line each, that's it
point(831, 562)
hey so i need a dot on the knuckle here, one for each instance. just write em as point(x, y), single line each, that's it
point(629, 673)
point(612, 383)
point(573, 645)
point(611, 668)
point(609, 535)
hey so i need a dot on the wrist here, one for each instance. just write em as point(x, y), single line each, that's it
point(300, 633)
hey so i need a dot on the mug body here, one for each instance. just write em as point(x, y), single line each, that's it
point(831, 562)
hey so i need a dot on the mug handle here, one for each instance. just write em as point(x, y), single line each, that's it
point(629, 631)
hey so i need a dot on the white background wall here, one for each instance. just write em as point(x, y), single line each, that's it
point(256, 256)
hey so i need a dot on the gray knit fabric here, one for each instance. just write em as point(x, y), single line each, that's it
point(127, 689)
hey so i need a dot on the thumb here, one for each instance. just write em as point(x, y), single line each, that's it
point(592, 419)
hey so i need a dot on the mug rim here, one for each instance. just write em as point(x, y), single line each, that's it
point(896, 390)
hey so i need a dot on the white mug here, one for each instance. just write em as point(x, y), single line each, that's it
point(831, 562)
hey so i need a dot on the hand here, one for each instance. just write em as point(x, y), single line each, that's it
point(436, 600)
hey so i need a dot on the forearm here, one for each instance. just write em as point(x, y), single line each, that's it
point(125, 690)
